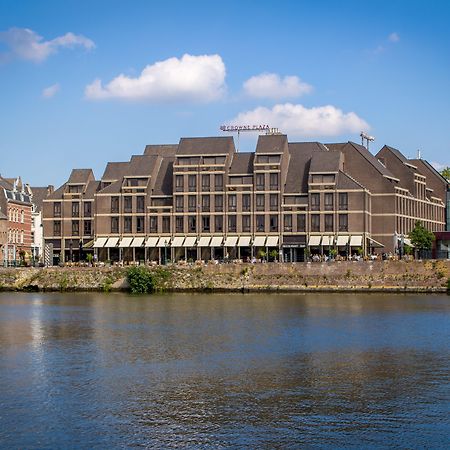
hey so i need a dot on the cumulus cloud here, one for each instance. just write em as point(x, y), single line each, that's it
point(24, 43)
point(271, 85)
point(51, 91)
point(299, 121)
point(190, 78)
point(394, 37)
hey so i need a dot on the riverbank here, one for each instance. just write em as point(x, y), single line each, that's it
point(377, 276)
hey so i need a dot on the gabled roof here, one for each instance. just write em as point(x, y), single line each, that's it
point(80, 176)
point(57, 194)
point(5, 183)
point(164, 178)
point(39, 193)
point(161, 150)
point(423, 163)
point(114, 188)
point(398, 154)
point(114, 171)
point(141, 165)
point(242, 163)
point(206, 145)
point(325, 162)
point(272, 143)
point(91, 189)
point(345, 181)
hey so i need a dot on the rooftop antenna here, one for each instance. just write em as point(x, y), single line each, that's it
point(254, 128)
point(419, 156)
point(367, 138)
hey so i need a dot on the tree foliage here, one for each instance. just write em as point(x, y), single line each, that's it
point(140, 280)
point(420, 237)
point(446, 173)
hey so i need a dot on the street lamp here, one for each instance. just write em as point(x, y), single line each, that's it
point(165, 251)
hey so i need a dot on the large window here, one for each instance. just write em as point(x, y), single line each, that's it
point(259, 202)
point(205, 183)
point(246, 205)
point(139, 224)
point(114, 204)
point(218, 203)
point(273, 220)
point(114, 224)
point(343, 201)
point(127, 204)
point(179, 224)
point(218, 182)
point(57, 209)
point(315, 202)
point(329, 203)
point(343, 222)
point(87, 230)
point(179, 183)
point(260, 181)
point(179, 200)
point(232, 224)
point(192, 224)
point(245, 224)
point(288, 222)
point(301, 223)
point(75, 227)
point(87, 209)
point(127, 221)
point(153, 224)
point(75, 209)
point(192, 183)
point(166, 224)
point(57, 228)
point(192, 200)
point(218, 223)
point(205, 203)
point(140, 203)
point(232, 202)
point(206, 223)
point(328, 222)
point(315, 222)
point(274, 181)
point(274, 202)
point(260, 219)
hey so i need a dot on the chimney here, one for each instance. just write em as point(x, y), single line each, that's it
point(50, 189)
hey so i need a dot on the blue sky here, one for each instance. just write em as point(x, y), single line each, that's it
point(318, 70)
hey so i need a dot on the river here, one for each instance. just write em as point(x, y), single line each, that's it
point(224, 370)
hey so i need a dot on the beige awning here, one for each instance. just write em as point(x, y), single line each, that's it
point(137, 242)
point(125, 242)
point(163, 242)
point(204, 241)
point(375, 244)
point(341, 241)
point(230, 241)
point(100, 242)
point(272, 241)
point(355, 241)
point(112, 242)
point(216, 241)
point(177, 241)
point(89, 244)
point(151, 241)
point(259, 241)
point(244, 241)
point(327, 241)
point(314, 241)
point(189, 241)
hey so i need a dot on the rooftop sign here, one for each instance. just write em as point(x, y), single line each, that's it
point(244, 127)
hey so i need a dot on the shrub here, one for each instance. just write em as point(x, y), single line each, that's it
point(448, 286)
point(140, 280)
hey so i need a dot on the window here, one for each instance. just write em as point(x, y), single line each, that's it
point(328, 222)
point(127, 222)
point(315, 222)
point(274, 202)
point(179, 224)
point(127, 204)
point(114, 204)
point(206, 223)
point(57, 228)
point(343, 201)
point(218, 181)
point(114, 224)
point(218, 223)
point(192, 200)
point(246, 206)
point(315, 202)
point(205, 183)
point(273, 221)
point(218, 203)
point(273, 181)
point(166, 224)
point(179, 203)
point(21, 237)
point(87, 228)
point(232, 202)
point(301, 223)
point(192, 183)
point(259, 202)
point(140, 203)
point(139, 224)
point(343, 222)
point(245, 223)
point(75, 227)
point(260, 181)
point(87, 209)
point(205, 203)
point(231, 223)
point(329, 203)
point(288, 222)
point(179, 183)
point(74, 189)
point(260, 223)
point(22, 216)
point(153, 225)
point(75, 209)
point(192, 224)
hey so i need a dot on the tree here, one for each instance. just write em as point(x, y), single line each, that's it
point(421, 238)
point(446, 173)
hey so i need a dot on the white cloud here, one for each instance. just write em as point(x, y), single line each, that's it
point(299, 121)
point(51, 91)
point(394, 37)
point(193, 78)
point(271, 85)
point(439, 166)
point(26, 44)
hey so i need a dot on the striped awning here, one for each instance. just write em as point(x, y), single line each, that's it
point(177, 241)
point(151, 241)
point(216, 241)
point(189, 241)
point(355, 241)
point(314, 241)
point(125, 242)
point(244, 241)
point(100, 242)
point(342, 241)
point(137, 242)
point(327, 241)
point(163, 242)
point(204, 241)
point(230, 241)
point(112, 242)
point(374, 243)
point(272, 241)
point(259, 241)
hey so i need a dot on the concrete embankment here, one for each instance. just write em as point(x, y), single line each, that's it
point(385, 276)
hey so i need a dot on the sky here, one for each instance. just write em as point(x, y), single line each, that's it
point(87, 82)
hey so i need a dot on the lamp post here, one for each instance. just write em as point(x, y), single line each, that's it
point(71, 250)
point(165, 251)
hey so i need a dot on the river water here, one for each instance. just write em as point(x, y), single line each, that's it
point(220, 370)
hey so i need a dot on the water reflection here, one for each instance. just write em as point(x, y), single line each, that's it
point(224, 370)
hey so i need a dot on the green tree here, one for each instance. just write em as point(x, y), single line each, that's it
point(446, 173)
point(421, 238)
